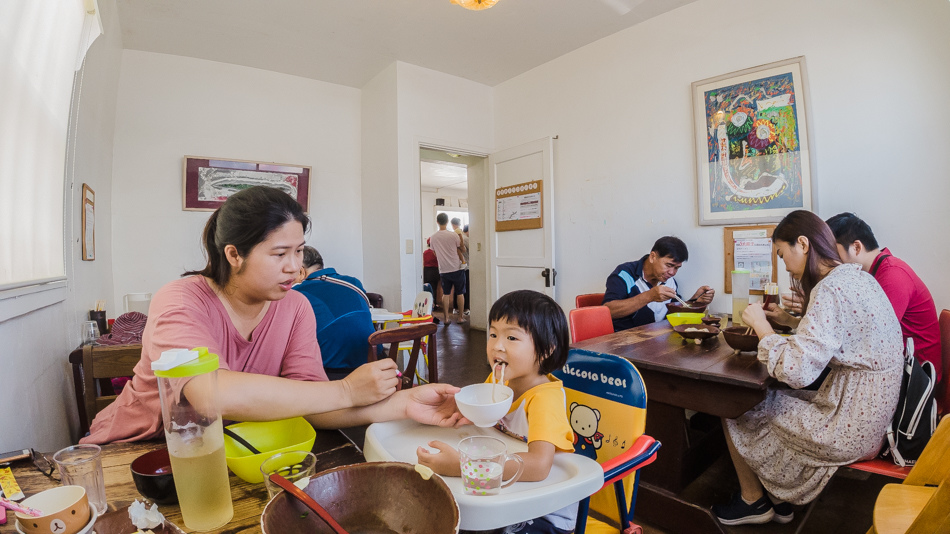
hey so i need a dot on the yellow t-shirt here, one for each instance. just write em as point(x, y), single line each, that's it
point(540, 414)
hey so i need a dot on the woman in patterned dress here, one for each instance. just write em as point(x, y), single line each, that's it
point(787, 448)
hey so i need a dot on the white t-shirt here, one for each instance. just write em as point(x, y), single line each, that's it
point(445, 243)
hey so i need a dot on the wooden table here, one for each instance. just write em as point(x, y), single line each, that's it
point(680, 375)
point(332, 449)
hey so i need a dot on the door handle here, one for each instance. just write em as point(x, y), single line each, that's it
point(546, 273)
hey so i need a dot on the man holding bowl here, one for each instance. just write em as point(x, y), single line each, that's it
point(638, 291)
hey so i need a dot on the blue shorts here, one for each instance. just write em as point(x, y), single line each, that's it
point(455, 279)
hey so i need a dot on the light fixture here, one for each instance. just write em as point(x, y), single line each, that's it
point(475, 5)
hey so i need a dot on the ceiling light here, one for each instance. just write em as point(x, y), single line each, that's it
point(475, 5)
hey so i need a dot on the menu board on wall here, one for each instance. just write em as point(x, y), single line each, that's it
point(518, 207)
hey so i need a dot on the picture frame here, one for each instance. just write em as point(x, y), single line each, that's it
point(753, 146)
point(208, 182)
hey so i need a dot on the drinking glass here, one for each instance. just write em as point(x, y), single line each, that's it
point(482, 460)
point(295, 466)
point(770, 294)
point(81, 465)
point(90, 332)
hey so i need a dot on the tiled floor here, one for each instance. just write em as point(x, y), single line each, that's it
point(843, 508)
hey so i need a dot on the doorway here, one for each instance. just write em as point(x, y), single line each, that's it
point(446, 181)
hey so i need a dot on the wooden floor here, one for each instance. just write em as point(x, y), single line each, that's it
point(843, 508)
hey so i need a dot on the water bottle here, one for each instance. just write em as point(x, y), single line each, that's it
point(195, 436)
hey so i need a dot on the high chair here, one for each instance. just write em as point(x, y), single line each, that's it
point(606, 403)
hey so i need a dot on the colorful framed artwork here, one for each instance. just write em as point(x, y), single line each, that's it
point(753, 157)
point(208, 182)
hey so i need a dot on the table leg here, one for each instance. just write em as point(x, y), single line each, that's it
point(664, 510)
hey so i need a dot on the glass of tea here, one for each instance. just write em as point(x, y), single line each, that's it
point(770, 294)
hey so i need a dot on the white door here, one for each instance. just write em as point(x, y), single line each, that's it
point(523, 259)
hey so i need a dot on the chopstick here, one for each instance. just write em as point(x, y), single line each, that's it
point(748, 330)
point(233, 435)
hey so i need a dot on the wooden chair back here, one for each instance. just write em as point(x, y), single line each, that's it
point(592, 321)
point(375, 299)
point(588, 299)
point(415, 333)
point(100, 364)
point(943, 390)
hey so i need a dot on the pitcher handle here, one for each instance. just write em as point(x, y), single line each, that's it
point(516, 476)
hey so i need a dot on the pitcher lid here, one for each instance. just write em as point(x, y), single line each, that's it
point(178, 363)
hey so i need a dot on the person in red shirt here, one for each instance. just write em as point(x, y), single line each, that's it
point(910, 298)
point(430, 271)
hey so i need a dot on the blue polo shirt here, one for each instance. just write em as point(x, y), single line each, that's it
point(627, 281)
point(344, 321)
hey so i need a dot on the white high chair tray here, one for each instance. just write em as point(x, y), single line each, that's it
point(572, 477)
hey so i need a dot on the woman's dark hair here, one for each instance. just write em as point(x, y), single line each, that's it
point(821, 242)
point(544, 321)
point(245, 219)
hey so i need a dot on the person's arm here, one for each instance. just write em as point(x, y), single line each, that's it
point(253, 397)
point(703, 295)
point(537, 461)
point(780, 316)
point(629, 306)
point(431, 404)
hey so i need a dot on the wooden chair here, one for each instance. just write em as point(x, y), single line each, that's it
point(608, 417)
point(589, 299)
point(588, 322)
point(93, 374)
point(415, 333)
point(922, 503)
point(375, 299)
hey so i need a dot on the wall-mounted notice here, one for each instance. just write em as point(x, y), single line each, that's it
point(518, 207)
point(750, 248)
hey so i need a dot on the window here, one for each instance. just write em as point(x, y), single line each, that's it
point(42, 42)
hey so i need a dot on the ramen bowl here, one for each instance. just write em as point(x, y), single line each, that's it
point(483, 404)
point(676, 307)
point(697, 332)
point(368, 498)
point(737, 338)
point(677, 319)
point(152, 474)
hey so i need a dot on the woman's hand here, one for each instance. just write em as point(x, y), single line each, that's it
point(445, 462)
point(434, 404)
point(777, 315)
point(754, 316)
point(793, 302)
point(371, 382)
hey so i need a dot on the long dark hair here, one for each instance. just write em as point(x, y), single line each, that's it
point(821, 242)
point(245, 219)
point(543, 319)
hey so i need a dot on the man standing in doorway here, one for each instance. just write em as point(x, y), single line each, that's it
point(448, 249)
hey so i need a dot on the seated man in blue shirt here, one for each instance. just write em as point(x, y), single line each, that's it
point(638, 291)
point(341, 307)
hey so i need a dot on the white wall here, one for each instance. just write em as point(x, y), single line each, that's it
point(37, 389)
point(172, 106)
point(435, 109)
point(624, 173)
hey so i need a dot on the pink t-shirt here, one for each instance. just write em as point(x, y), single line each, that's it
point(186, 314)
point(913, 305)
point(446, 244)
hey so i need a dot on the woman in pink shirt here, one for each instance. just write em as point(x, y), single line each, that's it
point(241, 307)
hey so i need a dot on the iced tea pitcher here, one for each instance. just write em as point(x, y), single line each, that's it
point(195, 436)
point(740, 294)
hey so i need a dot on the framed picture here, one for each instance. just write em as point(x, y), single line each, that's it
point(753, 157)
point(208, 182)
point(88, 223)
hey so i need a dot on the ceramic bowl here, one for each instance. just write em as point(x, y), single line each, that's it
point(269, 437)
point(697, 332)
point(737, 338)
point(401, 500)
point(477, 405)
point(677, 319)
point(152, 474)
point(118, 522)
point(713, 320)
point(676, 307)
point(65, 510)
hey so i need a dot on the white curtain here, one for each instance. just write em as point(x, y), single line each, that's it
point(40, 41)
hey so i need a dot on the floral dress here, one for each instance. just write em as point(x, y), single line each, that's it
point(795, 440)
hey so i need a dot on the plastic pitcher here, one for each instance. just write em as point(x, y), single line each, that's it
point(195, 436)
point(740, 294)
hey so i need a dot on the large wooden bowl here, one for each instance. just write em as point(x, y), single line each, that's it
point(676, 307)
point(696, 331)
point(369, 498)
point(737, 338)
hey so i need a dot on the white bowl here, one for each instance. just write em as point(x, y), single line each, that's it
point(87, 529)
point(476, 403)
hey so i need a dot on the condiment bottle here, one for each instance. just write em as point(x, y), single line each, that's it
point(740, 295)
point(195, 436)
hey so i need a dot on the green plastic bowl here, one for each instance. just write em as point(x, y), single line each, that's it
point(677, 319)
point(270, 437)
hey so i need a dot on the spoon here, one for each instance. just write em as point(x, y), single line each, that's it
point(300, 495)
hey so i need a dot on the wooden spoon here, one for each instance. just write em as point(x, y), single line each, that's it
point(302, 496)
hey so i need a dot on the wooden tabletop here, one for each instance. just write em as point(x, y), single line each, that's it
point(332, 449)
